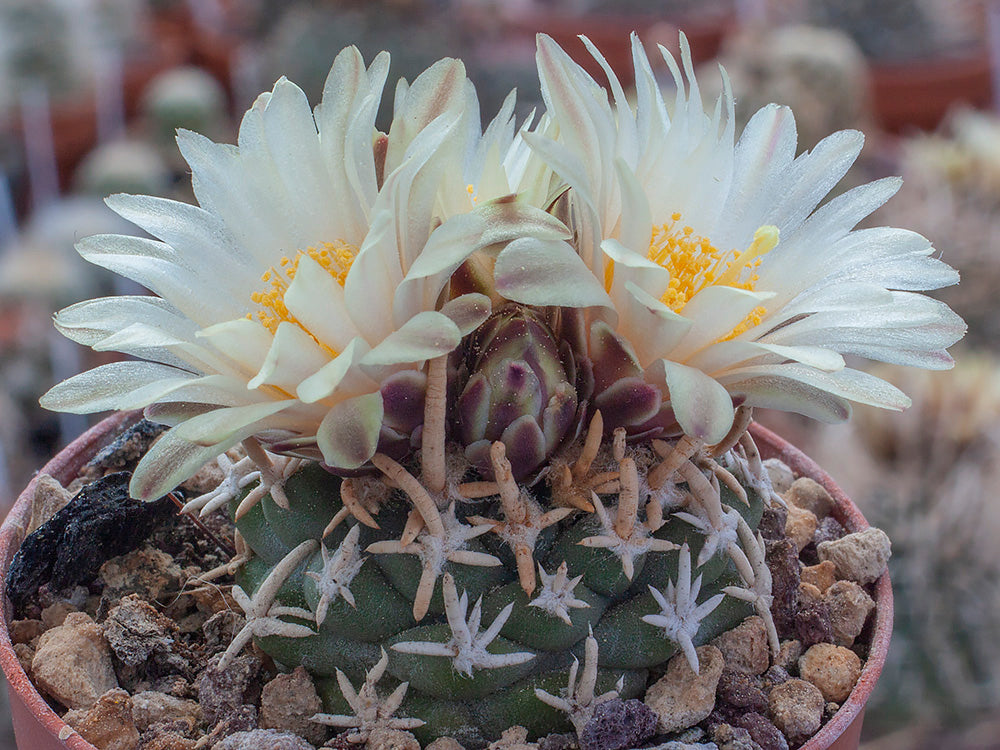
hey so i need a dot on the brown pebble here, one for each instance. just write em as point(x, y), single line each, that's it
point(861, 557)
point(796, 708)
point(809, 595)
point(809, 495)
point(391, 739)
point(822, 576)
point(151, 707)
point(55, 614)
point(833, 669)
point(850, 606)
point(25, 631)
point(72, 662)
point(50, 497)
point(682, 698)
point(745, 647)
point(445, 743)
point(25, 653)
point(783, 562)
point(829, 530)
point(800, 525)
point(289, 702)
point(108, 724)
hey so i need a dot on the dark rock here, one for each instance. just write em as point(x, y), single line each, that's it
point(775, 676)
point(618, 724)
point(812, 624)
point(783, 562)
point(257, 739)
point(762, 731)
point(828, 530)
point(221, 692)
point(772, 523)
point(239, 719)
point(742, 691)
point(557, 742)
point(99, 523)
point(220, 629)
point(124, 453)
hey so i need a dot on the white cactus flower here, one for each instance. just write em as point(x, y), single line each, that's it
point(313, 273)
point(708, 256)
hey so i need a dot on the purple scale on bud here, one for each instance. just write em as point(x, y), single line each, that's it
point(521, 390)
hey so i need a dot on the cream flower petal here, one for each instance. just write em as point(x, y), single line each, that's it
point(133, 384)
point(677, 220)
point(294, 356)
point(546, 272)
point(348, 435)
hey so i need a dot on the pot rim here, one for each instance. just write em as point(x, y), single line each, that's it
point(71, 458)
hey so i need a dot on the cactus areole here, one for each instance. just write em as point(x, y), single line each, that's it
point(480, 396)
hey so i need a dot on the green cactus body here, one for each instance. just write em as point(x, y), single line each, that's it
point(534, 644)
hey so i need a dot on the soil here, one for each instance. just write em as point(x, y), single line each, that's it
point(163, 633)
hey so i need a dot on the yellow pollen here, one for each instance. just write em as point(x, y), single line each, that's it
point(336, 257)
point(471, 190)
point(694, 264)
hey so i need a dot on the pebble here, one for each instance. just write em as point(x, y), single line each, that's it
point(135, 631)
point(829, 529)
point(850, 606)
point(775, 676)
point(745, 647)
point(810, 495)
point(150, 707)
point(796, 708)
point(157, 739)
point(146, 571)
point(239, 719)
point(822, 575)
point(800, 525)
point(54, 615)
point(728, 737)
point(783, 562)
point(257, 739)
point(861, 557)
point(25, 655)
point(812, 623)
point(772, 523)
point(682, 698)
point(25, 631)
point(50, 497)
point(450, 743)
point(72, 662)
point(742, 691)
point(222, 692)
point(514, 738)
point(617, 724)
point(833, 669)
point(288, 702)
point(809, 595)
point(220, 629)
point(762, 731)
point(781, 476)
point(387, 739)
point(108, 724)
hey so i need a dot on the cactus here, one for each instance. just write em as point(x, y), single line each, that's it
point(480, 594)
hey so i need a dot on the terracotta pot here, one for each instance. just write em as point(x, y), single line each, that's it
point(918, 94)
point(38, 727)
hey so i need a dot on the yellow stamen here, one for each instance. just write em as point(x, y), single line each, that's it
point(336, 257)
point(695, 263)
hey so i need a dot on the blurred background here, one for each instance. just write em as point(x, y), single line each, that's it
point(91, 92)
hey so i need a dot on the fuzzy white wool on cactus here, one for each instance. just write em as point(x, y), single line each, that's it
point(708, 256)
point(313, 273)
